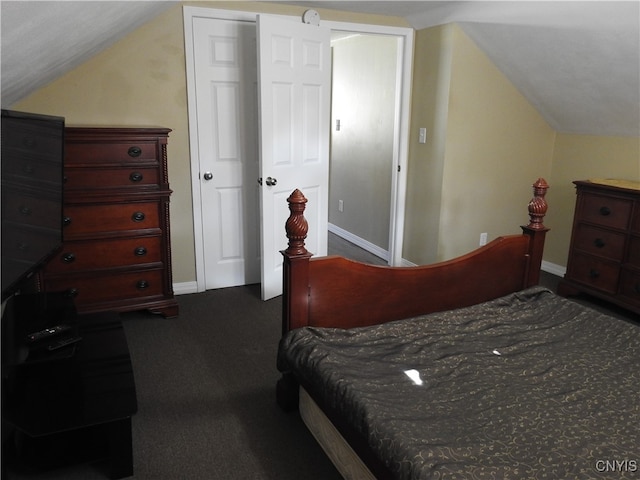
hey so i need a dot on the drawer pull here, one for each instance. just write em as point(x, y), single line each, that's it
point(605, 211)
point(136, 177)
point(598, 242)
point(142, 284)
point(66, 221)
point(23, 246)
point(140, 251)
point(68, 257)
point(72, 292)
point(25, 211)
point(593, 273)
point(134, 151)
point(137, 217)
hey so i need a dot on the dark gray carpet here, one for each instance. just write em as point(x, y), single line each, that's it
point(206, 396)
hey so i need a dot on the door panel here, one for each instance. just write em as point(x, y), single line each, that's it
point(294, 97)
point(226, 83)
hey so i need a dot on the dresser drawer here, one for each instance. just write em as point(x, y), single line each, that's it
point(606, 211)
point(104, 287)
point(24, 209)
point(635, 221)
point(594, 272)
point(42, 142)
point(601, 242)
point(630, 286)
point(27, 244)
point(633, 256)
point(98, 153)
point(123, 177)
point(101, 254)
point(84, 219)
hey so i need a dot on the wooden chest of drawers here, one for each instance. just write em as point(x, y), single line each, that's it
point(604, 255)
point(117, 253)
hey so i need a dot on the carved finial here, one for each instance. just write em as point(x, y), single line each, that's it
point(296, 226)
point(538, 205)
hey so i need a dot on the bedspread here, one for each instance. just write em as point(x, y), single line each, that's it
point(530, 385)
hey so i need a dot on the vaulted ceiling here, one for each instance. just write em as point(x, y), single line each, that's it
point(577, 62)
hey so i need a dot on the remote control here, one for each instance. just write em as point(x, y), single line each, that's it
point(63, 342)
point(47, 333)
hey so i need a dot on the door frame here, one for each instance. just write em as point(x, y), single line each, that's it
point(401, 124)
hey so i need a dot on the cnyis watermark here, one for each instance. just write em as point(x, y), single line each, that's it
point(617, 466)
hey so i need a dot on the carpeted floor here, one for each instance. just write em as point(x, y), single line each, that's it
point(206, 397)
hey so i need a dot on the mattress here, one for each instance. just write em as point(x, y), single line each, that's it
point(530, 385)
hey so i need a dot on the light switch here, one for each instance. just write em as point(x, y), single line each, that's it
point(422, 137)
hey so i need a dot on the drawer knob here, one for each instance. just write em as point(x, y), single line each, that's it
point(134, 151)
point(68, 257)
point(137, 217)
point(598, 242)
point(66, 221)
point(593, 273)
point(136, 177)
point(140, 251)
point(142, 284)
point(25, 211)
point(605, 211)
point(72, 292)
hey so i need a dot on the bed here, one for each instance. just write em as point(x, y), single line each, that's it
point(461, 369)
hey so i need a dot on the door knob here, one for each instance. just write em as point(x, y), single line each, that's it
point(208, 175)
point(270, 181)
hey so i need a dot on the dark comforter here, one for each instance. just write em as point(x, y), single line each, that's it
point(530, 385)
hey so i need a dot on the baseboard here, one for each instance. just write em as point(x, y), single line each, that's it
point(185, 288)
point(553, 268)
point(360, 242)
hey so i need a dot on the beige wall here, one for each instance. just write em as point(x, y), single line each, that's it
point(486, 143)
point(430, 104)
point(580, 157)
point(141, 81)
point(497, 146)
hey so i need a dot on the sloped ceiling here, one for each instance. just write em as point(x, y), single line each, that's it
point(577, 62)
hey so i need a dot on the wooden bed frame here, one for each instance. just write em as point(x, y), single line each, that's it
point(333, 291)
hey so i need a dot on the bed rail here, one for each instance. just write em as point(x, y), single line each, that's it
point(335, 292)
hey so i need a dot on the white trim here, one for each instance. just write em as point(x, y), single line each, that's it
point(360, 242)
point(402, 119)
point(553, 268)
point(185, 288)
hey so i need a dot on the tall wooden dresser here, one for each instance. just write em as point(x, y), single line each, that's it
point(604, 255)
point(117, 252)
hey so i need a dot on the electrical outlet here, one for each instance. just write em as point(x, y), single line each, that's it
point(483, 238)
point(340, 206)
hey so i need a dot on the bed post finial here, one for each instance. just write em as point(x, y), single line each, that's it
point(538, 205)
point(536, 231)
point(296, 226)
point(295, 299)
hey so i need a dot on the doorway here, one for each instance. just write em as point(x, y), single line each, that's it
point(362, 138)
point(202, 233)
